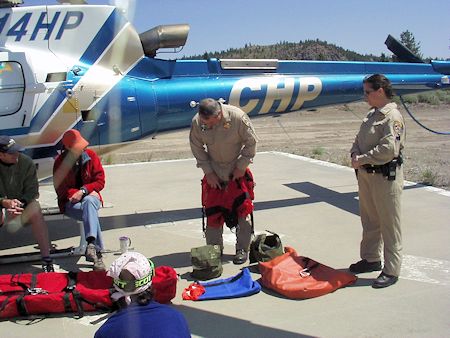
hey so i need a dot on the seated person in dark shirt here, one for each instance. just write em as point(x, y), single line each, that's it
point(139, 316)
point(19, 190)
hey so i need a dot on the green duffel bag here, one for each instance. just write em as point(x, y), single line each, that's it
point(265, 247)
point(206, 262)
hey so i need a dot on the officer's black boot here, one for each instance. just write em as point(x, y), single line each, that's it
point(240, 257)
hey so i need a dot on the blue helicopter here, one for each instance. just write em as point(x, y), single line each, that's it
point(86, 67)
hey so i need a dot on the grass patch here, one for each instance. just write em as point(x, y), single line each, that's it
point(443, 95)
point(435, 97)
point(318, 151)
point(346, 161)
point(429, 177)
point(108, 159)
point(409, 99)
point(429, 98)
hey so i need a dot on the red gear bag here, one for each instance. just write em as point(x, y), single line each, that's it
point(54, 292)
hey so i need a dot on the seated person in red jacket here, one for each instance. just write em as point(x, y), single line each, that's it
point(139, 316)
point(78, 177)
point(18, 193)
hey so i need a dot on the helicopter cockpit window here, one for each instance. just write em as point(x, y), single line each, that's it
point(12, 87)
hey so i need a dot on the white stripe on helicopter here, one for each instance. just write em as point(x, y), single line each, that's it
point(101, 76)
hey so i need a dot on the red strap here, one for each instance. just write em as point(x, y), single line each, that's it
point(193, 291)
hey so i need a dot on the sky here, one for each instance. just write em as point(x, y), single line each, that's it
point(360, 26)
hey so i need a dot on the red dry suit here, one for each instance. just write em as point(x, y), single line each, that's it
point(226, 205)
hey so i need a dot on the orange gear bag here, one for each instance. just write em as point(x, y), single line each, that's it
point(299, 277)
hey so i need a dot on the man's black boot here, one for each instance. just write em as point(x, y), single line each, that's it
point(365, 266)
point(384, 280)
point(240, 257)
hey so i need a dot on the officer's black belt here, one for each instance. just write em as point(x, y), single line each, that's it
point(382, 169)
point(373, 169)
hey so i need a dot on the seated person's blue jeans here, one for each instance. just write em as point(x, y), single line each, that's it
point(87, 211)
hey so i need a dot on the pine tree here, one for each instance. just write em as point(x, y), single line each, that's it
point(407, 39)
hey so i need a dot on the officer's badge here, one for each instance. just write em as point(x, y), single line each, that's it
point(227, 125)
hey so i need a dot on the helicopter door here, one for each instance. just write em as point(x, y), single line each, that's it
point(115, 118)
point(148, 109)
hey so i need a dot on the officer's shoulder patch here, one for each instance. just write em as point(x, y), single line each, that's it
point(398, 126)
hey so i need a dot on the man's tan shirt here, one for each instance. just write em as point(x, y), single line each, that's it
point(228, 145)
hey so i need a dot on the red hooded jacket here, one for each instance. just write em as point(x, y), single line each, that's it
point(65, 180)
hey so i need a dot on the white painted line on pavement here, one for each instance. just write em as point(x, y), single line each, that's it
point(426, 270)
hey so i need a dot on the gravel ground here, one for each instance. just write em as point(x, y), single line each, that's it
point(326, 134)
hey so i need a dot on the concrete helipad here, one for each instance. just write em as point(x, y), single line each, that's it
point(312, 205)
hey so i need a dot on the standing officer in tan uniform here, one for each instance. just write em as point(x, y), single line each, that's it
point(376, 155)
point(223, 141)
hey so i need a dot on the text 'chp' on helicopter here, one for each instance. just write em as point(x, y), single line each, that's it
point(86, 67)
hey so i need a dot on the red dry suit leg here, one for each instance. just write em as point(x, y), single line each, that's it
point(228, 204)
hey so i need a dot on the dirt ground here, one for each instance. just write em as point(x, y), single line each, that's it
point(326, 134)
